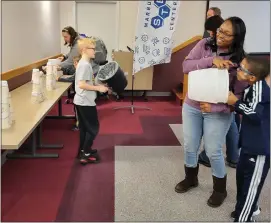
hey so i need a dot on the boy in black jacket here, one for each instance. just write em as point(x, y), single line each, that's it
point(254, 161)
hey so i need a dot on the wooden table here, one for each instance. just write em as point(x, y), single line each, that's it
point(28, 117)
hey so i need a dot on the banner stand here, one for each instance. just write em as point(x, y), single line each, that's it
point(132, 107)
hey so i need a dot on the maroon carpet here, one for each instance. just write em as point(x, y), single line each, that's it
point(63, 190)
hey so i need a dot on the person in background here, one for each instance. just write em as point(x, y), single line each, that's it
point(70, 37)
point(71, 78)
point(211, 12)
point(211, 121)
point(84, 100)
point(254, 162)
point(212, 24)
point(232, 150)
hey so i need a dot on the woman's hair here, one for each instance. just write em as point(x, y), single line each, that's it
point(213, 23)
point(260, 67)
point(237, 46)
point(72, 33)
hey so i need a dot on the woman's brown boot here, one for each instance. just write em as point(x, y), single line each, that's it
point(190, 181)
point(219, 192)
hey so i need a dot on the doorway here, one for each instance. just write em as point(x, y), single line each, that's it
point(99, 19)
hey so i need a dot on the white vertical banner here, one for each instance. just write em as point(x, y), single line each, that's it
point(156, 22)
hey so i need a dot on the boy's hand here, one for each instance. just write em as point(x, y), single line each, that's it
point(232, 99)
point(205, 107)
point(102, 88)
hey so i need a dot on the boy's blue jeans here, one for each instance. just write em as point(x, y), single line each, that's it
point(232, 150)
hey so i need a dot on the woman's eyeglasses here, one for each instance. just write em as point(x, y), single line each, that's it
point(240, 68)
point(223, 33)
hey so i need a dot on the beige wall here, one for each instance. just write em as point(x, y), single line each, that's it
point(190, 21)
point(30, 31)
point(67, 18)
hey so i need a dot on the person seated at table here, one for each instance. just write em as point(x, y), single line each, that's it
point(84, 100)
point(70, 37)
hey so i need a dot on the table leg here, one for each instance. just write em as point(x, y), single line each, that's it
point(60, 115)
point(46, 146)
point(33, 153)
point(60, 107)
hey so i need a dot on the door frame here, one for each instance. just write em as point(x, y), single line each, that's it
point(117, 5)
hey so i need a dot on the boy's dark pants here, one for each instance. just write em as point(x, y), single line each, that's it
point(88, 126)
point(251, 173)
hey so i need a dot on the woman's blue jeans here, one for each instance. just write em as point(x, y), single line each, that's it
point(213, 127)
point(232, 150)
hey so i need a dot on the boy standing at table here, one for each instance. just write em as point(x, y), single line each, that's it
point(254, 161)
point(71, 78)
point(84, 100)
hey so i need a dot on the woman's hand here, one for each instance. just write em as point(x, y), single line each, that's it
point(61, 58)
point(221, 64)
point(205, 107)
point(232, 99)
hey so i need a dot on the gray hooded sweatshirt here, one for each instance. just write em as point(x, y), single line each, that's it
point(67, 64)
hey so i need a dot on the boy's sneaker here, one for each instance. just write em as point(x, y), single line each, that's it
point(81, 153)
point(255, 213)
point(75, 128)
point(89, 158)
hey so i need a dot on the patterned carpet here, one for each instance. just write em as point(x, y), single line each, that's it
point(144, 187)
point(141, 163)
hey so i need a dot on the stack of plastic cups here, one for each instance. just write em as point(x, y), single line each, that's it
point(5, 103)
point(11, 108)
point(37, 88)
point(55, 63)
point(50, 79)
point(42, 84)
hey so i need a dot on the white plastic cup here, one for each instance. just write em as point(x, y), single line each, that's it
point(5, 116)
point(55, 71)
point(34, 71)
point(11, 108)
point(50, 79)
point(4, 92)
point(49, 68)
